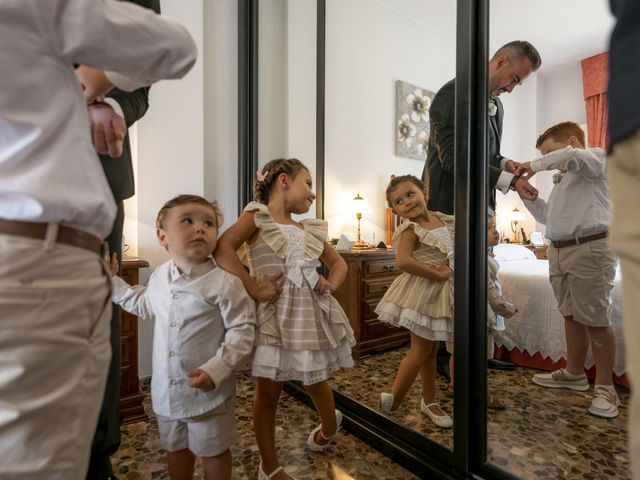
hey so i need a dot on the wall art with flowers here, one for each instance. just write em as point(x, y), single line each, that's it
point(412, 120)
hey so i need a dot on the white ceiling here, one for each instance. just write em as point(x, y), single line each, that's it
point(563, 31)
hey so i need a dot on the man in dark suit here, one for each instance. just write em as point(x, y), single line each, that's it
point(508, 68)
point(624, 178)
point(108, 119)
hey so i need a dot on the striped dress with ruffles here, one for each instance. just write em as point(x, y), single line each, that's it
point(303, 335)
point(419, 304)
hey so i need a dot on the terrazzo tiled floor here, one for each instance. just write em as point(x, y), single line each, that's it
point(543, 433)
point(141, 457)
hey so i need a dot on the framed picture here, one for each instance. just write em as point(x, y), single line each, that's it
point(537, 239)
point(412, 120)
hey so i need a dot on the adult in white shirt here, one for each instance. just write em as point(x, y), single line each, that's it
point(55, 209)
point(581, 266)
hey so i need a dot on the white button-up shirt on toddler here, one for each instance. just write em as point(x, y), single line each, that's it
point(203, 319)
point(579, 202)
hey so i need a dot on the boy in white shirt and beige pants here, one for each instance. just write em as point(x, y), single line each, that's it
point(581, 266)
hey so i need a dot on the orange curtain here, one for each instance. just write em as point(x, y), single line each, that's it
point(595, 78)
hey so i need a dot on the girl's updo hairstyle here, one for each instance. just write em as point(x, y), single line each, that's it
point(395, 181)
point(266, 178)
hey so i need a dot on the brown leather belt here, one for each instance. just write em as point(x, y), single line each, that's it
point(578, 241)
point(66, 235)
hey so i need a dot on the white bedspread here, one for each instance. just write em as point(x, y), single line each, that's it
point(538, 327)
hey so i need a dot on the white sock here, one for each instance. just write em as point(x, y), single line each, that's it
point(609, 388)
point(571, 376)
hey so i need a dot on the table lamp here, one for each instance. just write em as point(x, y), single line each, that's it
point(516, 216)
point(359, 206)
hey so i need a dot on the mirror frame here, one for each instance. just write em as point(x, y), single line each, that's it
point(405, 446)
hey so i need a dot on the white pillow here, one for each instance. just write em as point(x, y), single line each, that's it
point(510, 251)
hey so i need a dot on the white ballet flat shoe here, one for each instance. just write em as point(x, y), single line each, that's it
point(442, 421)
point(311, 441)
point(264, 476)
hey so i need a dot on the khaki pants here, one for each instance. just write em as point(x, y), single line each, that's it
point(54, 352)
point(624, 178)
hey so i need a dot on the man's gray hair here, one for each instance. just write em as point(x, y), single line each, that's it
point(518, 50)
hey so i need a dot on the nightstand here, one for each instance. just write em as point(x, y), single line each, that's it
point(370, 274)
point(539, 250)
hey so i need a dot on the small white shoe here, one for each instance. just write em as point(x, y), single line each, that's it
point(385, 403)
point(561, 379)
point(311, 441)
point(264, 476)
point(605, 403)
point(442, 421)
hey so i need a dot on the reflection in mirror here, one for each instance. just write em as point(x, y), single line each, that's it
point(287, 81)
point(384, 62)
point(574, 429)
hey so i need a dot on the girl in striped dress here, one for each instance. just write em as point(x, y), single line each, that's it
point(421, 298)
point(302, 333)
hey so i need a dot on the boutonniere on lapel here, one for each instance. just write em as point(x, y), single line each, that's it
point(493, 108)
point(557, 177)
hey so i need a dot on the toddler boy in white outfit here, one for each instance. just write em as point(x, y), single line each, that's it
point(204, 328)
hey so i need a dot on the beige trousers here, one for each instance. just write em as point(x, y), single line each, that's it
point(54, 353)
point(624, 178)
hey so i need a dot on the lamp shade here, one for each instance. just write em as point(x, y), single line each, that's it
point(517, 216)
point(359, 205)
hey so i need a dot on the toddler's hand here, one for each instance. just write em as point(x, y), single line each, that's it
point(201, 380)
point(524, 170)
point(324, 286)
point(270, 290)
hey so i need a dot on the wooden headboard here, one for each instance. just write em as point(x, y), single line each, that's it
point(392, 222)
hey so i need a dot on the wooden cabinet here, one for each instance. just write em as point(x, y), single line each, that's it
point(540, 251)
point(370, 274)
point(131, 409)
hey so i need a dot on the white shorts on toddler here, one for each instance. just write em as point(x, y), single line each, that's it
point(206, 435)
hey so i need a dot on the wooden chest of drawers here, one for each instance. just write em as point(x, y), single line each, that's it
point(370, 274)
point(131, 398)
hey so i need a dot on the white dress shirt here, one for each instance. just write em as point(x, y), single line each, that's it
point(49, 170)
point(203, 319)
point(579, 204)
point(504, 180)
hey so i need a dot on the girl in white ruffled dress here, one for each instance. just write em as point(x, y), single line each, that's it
point(421, 298)
point(302, 333)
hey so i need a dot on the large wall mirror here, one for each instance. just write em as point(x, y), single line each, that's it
point(384, 62)
point(548, 432)
point(339, 85)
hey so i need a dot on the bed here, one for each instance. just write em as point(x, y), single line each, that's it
point(535, 335)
